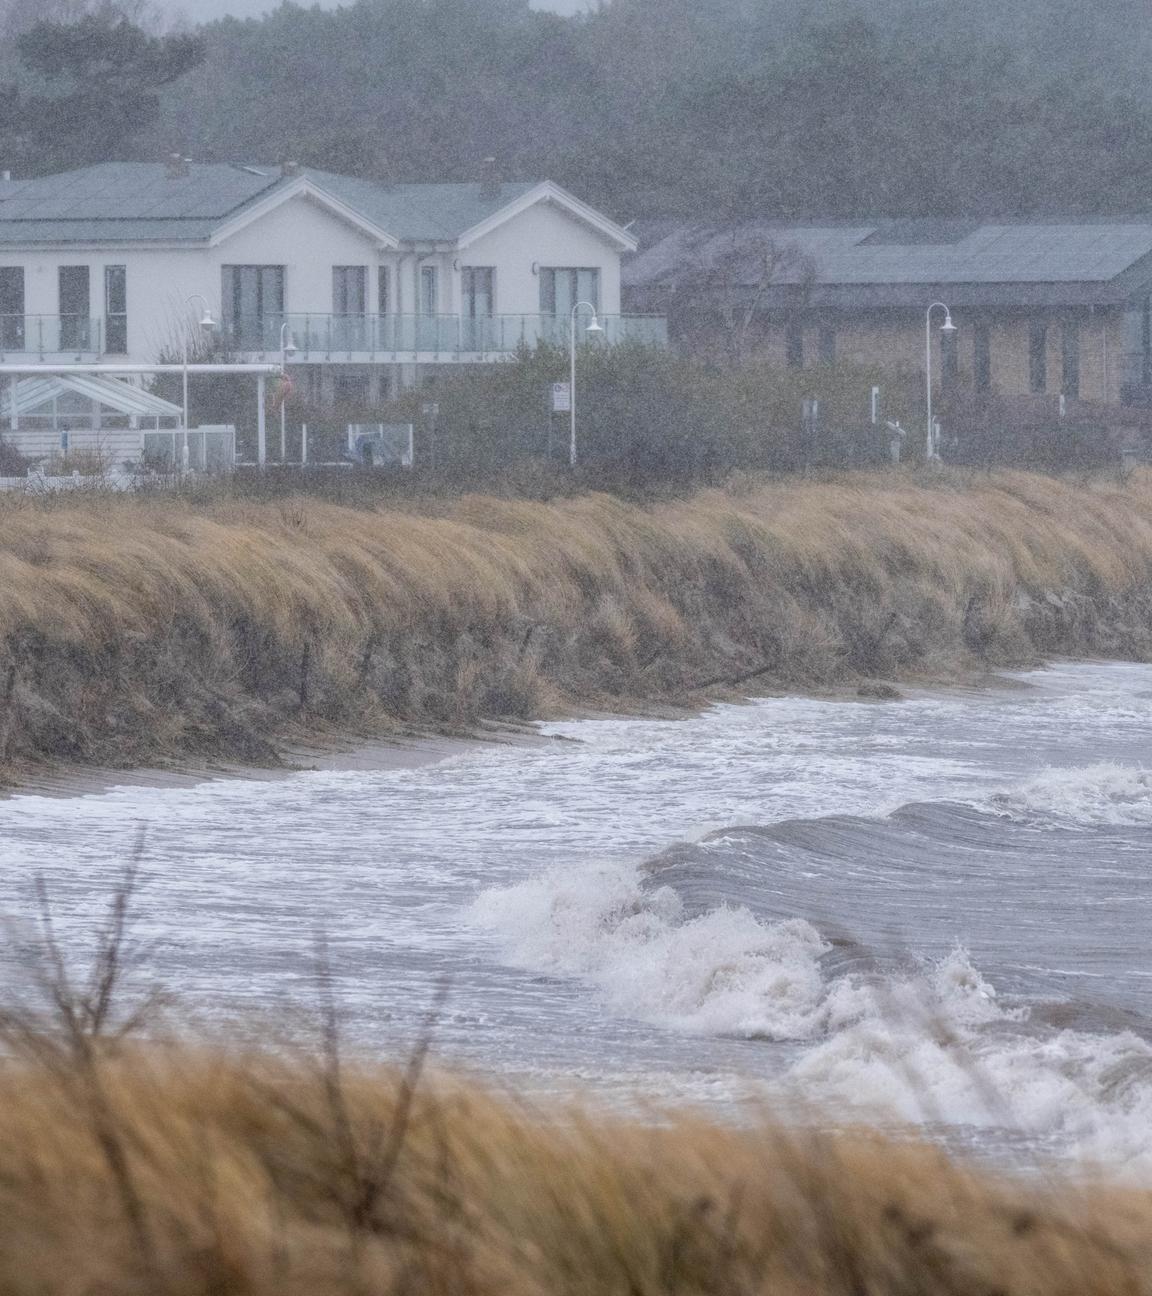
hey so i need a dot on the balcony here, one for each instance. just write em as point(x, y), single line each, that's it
point(446, 339)
point(38, 337)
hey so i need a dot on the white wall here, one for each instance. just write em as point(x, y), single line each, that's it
point(549, 236)
point(309, 240)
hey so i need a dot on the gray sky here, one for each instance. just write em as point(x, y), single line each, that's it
point(203, 10)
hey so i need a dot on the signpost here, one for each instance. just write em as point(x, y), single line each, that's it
point(561, 398)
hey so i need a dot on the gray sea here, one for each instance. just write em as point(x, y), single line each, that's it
point(935, 911)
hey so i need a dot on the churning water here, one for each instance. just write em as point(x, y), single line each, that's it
point(935, 910)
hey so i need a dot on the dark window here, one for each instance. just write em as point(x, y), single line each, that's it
point(949, 361)
point(1038, 356)
point(1070, 358)
point(253, 298)
point(115, 310)
point(477, 286)
point(561, 287)
point(827, 344)
point(384, 279)
point(982, 356)
point(350, 290)
point(1146, 342)
point(75, 308)
point(12, 308)
point(350, 307)
point(350, 390)
point(794, 345)
point(429, 290)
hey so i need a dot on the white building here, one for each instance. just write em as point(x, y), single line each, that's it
point(376, 285)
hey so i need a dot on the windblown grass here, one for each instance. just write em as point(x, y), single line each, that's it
point(173, 1171)
point(134, 630)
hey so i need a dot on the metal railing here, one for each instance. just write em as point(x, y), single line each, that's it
point(43, 335)
point(381, 337)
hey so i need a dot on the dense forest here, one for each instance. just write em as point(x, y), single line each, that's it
point(646, 107)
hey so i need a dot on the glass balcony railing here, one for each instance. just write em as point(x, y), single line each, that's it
point(51, 335)
point(381, 337)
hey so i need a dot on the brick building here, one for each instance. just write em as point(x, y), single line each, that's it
point(1041, 307)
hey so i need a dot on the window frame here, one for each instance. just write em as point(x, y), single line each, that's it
point(115, 321)
point(75, 325)
point(549, 297)
point(1070, 358)
point(231, 293)
point(1038, 357)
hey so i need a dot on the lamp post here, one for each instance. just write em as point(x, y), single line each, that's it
point(946, 327)
point(207, 323)
point(593, 327)
point(287, 348)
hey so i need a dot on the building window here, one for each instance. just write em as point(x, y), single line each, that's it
point(477, 287)
point(794, 344)
point(115, 310)
point(384, 287)
point(1038, 356)
point(350, 290)
point(429, 290)
point(982, 356)
point(12, 308)
point(350, 390)
point(562, 287)
point(827, 344)
point(949, 362)
point(253, 297)
point(1070, 358)
point(1138, 345)
point(350, 307)
point(75, 308)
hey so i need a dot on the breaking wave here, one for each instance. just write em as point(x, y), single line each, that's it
point(1105, 794)
point(769, 934)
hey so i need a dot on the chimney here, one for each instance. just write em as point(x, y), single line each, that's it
point(490, 183)
point(177, 166)
point(288, 169)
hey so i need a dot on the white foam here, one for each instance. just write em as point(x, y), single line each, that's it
point(1104, 795)
point(931, 1046)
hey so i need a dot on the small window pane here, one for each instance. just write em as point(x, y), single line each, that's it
point(428, 290)
point(982, 356)
point(1070, 377)
point(115, 310)
point(75, 306)
point(385, 290)
point(1038, 356)
point(12, 308)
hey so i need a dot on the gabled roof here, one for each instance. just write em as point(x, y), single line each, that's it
point(110, 393)
point(130, 202)
point(1065, 260)
point(420, 212)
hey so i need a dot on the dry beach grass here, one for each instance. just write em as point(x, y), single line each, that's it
point(129, 1170)
point(136, 630)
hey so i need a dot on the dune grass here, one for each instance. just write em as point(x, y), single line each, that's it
point(146, 629)
point(192, 1172)
point(157, 1168)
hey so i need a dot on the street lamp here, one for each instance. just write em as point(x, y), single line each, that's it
point(593, 327)
point(287, 348)
point(930, 449)
point(207, 323)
